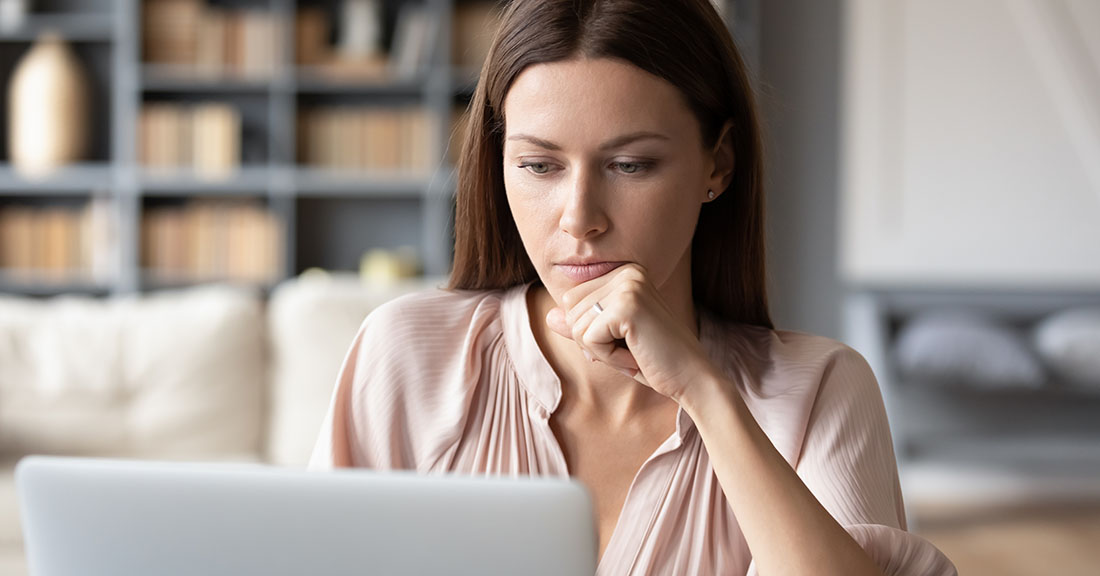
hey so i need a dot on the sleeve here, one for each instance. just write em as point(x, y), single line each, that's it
point(847, 461)
point(369, 423)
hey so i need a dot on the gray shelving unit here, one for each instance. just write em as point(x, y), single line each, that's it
point(959, 443)
point(328, 218)
point(106, 35)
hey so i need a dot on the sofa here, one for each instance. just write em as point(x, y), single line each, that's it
point(214, 373)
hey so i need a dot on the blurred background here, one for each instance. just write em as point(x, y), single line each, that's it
point(201, 199)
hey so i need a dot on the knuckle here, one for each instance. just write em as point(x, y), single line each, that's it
point(586, 341)
point(630, 298)
point(578, 332)
point(635, 271)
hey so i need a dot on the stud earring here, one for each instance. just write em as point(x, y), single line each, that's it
point(710, 194)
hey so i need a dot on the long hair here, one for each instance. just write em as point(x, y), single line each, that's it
point(682, 41)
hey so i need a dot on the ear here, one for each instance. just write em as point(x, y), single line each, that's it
point(723, 160)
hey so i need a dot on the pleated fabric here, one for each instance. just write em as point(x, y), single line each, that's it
point(454, 382)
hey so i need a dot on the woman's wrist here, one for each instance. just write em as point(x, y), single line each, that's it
point(709, 390)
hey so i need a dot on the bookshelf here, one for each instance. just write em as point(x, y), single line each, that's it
point(273, 76)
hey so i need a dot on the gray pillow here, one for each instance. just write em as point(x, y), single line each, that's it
point(1068, 342)
point(965, 348)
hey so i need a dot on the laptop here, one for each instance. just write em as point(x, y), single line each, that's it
point(128, 518)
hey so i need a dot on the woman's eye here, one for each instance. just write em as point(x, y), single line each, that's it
point(539, 167)
point(632, 167)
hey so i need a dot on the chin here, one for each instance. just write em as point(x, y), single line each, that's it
point(555, 287)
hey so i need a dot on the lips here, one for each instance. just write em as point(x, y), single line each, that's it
point(587, 271)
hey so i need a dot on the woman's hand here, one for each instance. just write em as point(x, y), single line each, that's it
point(636, 332)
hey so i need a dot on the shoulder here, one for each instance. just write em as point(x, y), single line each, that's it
point(827, 371)
point(425, 338)
point(412, 371)
point(790, 378)
point(779, 361)
point(446, 308)
point(822, 357)
point(431, 321)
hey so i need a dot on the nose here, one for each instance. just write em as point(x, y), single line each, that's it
point(583, 215)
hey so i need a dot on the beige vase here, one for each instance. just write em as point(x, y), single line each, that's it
point(47, 108)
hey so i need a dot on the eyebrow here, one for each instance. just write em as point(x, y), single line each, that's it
point(613, 143)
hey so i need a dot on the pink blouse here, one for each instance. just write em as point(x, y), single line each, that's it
point(454, 382)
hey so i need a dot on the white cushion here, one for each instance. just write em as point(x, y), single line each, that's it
point(172, 375)
point(1069, 343)
point(12, 562)
point(965, 348)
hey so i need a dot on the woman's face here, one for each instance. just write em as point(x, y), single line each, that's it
point(604, 164)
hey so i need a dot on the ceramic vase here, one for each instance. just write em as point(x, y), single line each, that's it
point(47, 108)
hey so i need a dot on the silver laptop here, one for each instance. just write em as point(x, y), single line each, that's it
point(130, 518)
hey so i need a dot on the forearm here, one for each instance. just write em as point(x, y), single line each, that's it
point(788, 531)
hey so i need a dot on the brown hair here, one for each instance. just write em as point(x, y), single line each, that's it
point(682, 41)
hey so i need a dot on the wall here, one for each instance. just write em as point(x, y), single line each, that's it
point(799, 74)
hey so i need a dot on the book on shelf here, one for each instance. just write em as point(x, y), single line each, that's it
point(211, 44)
point(236, 240)
point(311, 30)
point(360, 33)
point(393, 139)
point(216, 140)
point(414, 39)
point(58, 243)
point(257, 58)
point(193, 37)
point(314, 52)
point(59, 246)
point(169, 30)
point(204, 137)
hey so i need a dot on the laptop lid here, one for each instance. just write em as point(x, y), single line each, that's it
point(123, 518)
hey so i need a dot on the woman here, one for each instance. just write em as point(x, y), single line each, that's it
point(607, 318)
